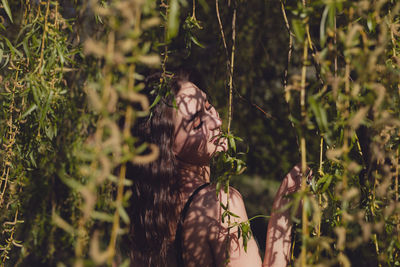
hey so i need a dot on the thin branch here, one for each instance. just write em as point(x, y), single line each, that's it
point(194, 9)
point(305, 234)
point(286, 73)
point(221, 28)
point(231, 69)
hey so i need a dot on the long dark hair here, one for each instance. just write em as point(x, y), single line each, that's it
point(156, 185)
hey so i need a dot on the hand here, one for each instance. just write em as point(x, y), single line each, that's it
point(278, 240)
point(294, 178)
point(291, 183)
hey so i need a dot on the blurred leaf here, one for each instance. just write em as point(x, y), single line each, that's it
point(29, 111)
point(322, 27)
point(173, 19)
point(44, 110)
point(299, 30)
point(194, 40)
point(7, 9)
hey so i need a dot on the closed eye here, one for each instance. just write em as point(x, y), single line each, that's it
point(207, 105)
point(197, 123)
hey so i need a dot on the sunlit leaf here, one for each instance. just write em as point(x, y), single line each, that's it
point(7, 9)
point(173, 19)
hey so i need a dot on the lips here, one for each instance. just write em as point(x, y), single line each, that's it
point(219, 142)
point(215, 139)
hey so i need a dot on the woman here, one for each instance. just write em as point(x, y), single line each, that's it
point(176, 215)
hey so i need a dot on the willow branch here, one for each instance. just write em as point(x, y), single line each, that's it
point(44, 36)
point(232, 61)
point(289, 56)
point(221, 28)
point(303, 149)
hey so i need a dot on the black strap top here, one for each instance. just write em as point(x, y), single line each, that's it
point(178, 235)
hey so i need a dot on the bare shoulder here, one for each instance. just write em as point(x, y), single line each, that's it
point(209, 202)
point(214, 236)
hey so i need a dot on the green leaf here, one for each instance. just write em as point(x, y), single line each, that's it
point(45, 109)
point(101, 216)
point(194, 40)
point(155, 102)
point(322, 26)
point(26, 48)
point(232, 214)
point(223, 206)
point(12, 48)
point(327, 183)
point(331, 16)
point(218, 188)
point(62, 60)
point(7, 9)
point(298, 29)
point(173, 19)
point(33, 161)
point(238, 138)
point(371, 23)
point(319, 113)
point(232, 143)
point(29, 111)
point(122, 213)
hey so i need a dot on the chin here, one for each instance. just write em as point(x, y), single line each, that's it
point(223, 147)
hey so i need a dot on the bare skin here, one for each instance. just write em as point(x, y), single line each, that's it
point(205, 236)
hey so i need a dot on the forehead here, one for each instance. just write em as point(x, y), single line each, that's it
point(189, 99)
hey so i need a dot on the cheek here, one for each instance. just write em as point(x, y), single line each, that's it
point(178, 143)
point(191, 146)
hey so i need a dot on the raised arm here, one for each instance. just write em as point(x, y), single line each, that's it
point(277, 251)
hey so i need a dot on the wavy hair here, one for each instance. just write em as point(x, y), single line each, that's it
point(156, 188)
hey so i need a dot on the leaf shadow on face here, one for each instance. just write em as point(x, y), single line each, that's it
point(192, 142)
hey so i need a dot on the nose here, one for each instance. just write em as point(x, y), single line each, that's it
point(215, 121)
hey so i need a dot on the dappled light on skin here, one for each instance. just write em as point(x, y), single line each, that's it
point(197, 127)
point(279, 228)
point(205, 237)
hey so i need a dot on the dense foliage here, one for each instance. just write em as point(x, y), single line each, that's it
point(310, 81)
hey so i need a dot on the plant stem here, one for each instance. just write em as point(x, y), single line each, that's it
point(231, 69)
point(118, 203)
point(303, 256)
point(221, 29)
point(194, 10)
point(321, 173)
point(11, 140)
point(164, 62)
point(289, 55)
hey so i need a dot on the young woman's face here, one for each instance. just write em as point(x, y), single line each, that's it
point(197, 127)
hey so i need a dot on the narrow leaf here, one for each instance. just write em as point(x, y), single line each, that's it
point(173, 19)
point(7, 9)
point(29, 111)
